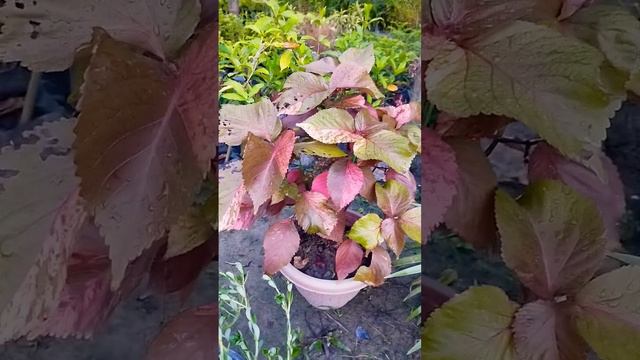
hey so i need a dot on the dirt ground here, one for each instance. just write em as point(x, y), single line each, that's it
point(381, 311)
point(133, 325)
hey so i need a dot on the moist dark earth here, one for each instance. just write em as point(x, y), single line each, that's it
point(316, 257)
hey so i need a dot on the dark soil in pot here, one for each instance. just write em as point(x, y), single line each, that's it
point(316, 257)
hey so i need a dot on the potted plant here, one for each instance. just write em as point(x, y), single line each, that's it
point(317, 148)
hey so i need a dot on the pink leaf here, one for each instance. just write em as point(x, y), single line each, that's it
point(160, 27)
point(471, 211)
point(547, 163)
point(344, 182)
point(474, 127)
point(393, 198)
point(40, 215)
point(319, 183)
point(179, 272)
point(87, 299)
point(440, 178)
point(337, 234)
point(380, 267)
point(140, 167)
point(291, 121)
point(466, 19)
point(294, 175)
point(323, 66)
point(368, 190)
point(393, 235)
point(404, 113)
point(315, 214)
point(364, 57)
point(407, 179)
point(237, 121)
point(350, 75)
point(348, 258)
point(265, 165)
point(281, 242)
point(187, 336)
point(544, 331)
point(235, 209)
point(303, 93)
point(569, 7)
point(353, 102)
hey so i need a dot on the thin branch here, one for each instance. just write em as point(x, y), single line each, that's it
point(30, 98)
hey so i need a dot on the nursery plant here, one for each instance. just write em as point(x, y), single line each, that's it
point(397, 55)
point(315, 150)
point(562, 68)
point(259, 56)
point(96, 202)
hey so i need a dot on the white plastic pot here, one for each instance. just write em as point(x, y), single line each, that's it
point(323, 294)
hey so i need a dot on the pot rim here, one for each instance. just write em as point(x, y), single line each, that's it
point(310, 283)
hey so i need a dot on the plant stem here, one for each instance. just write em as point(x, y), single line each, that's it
point(30, 98)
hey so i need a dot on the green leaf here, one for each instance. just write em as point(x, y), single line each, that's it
point(608, 317)
point(415, 347)
point(366, 231)
point(474, 325)
point(552, 237)
point(190, 231)
point(414, 270)
point(255, 89)
point(393, 198)
point(410, 223)
point(233, 96)
point(529, 72)
point(237, 87)
point(285, 59)
point(395, 150)
point(613, 30)
point(316, 148)
point(625, 258)
point(331, 126)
